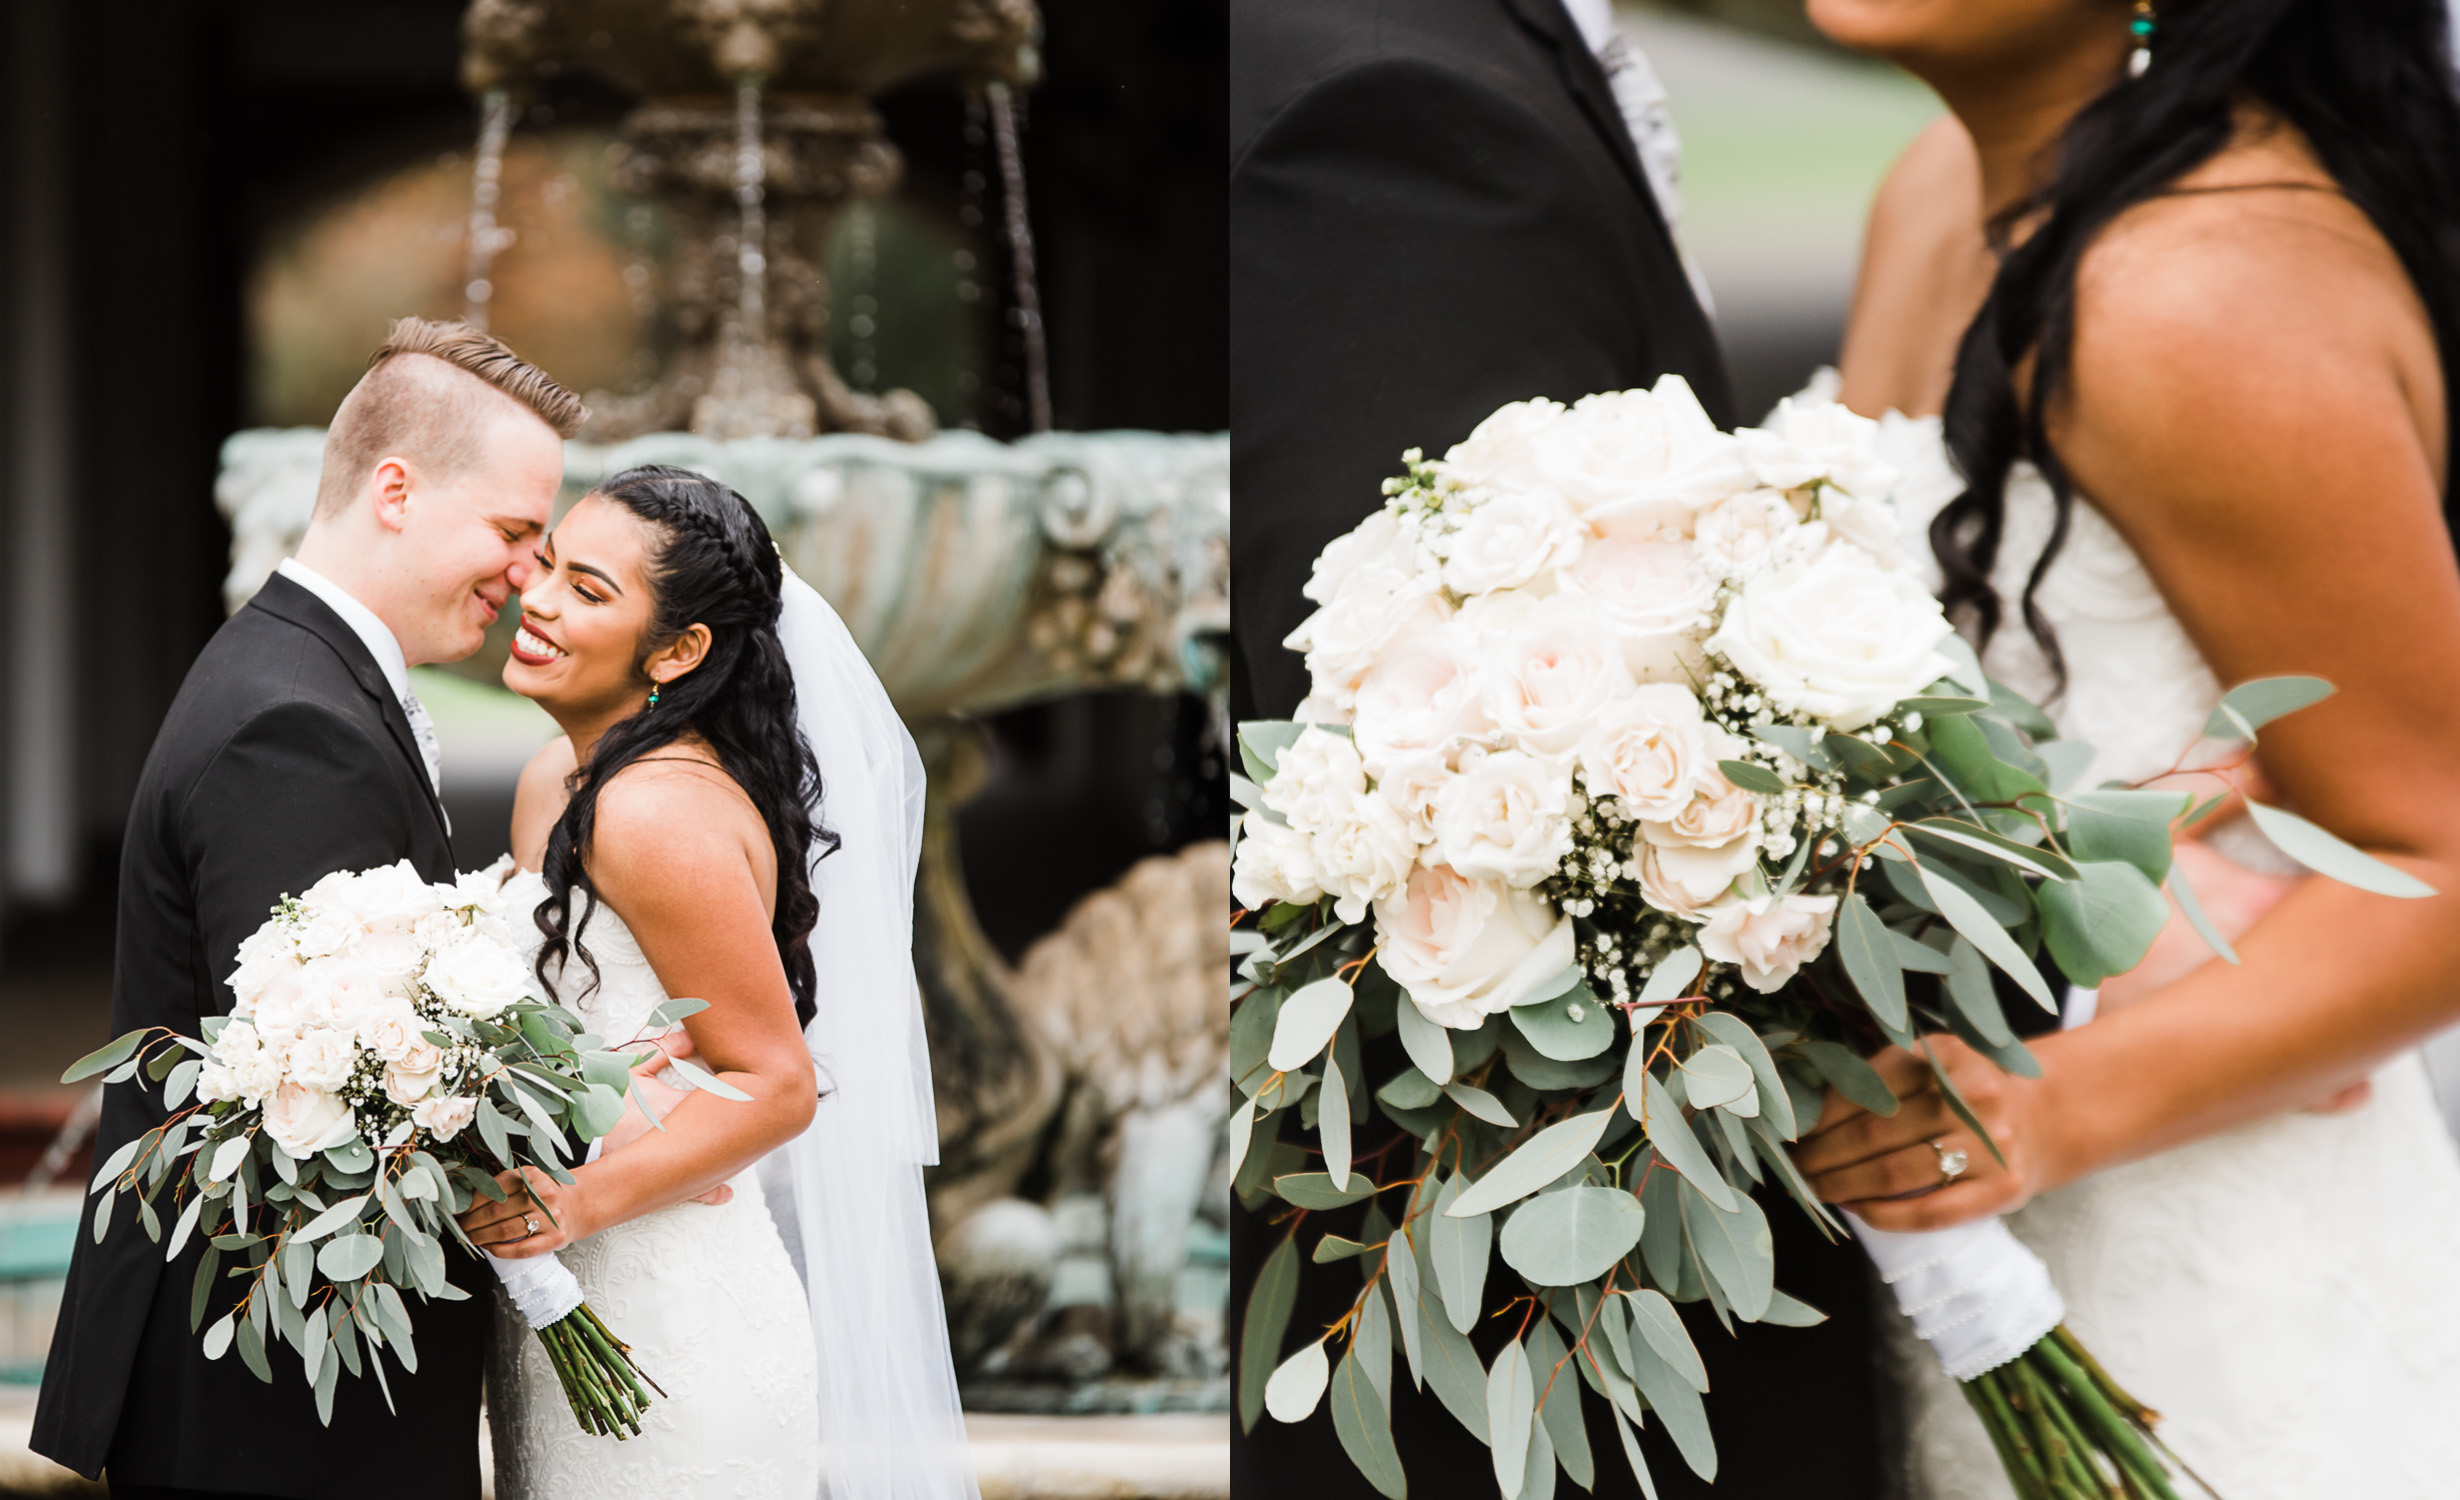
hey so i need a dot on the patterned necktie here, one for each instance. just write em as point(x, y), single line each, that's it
point(1641, 100)
point(423, 729)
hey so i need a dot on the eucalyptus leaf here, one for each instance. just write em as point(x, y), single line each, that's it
point(1631, 1455)
point(2184, 895)
point(1661, 1327)
point(1409, 1089)
point(2104, 923)
point(1510, 1406)
point(1316, 1190)
point(1736, 1033)
point(1261, 742)
point(1295, 1388)
point(1453, 1370)
point(345, 1212)
point(1969, 989)
point(1538, 1161)
point(1868, 949)
point(1459, 1245)
point(1800, 743)
point(1558, 1408)
point(349, 1257)
point(1428, 1045)
point(1371, 1340)
point(1967, 916)
point(1333, 1125)
point(1672, 977)
point(1242, 1129)
point(1752, 777)
point(1678, 1407)
point(1916, 956)
point(1716, 1075)
point(1791, 1312)
point(691, 1073)
point(1849, 1075)
point(1674, 1143)
point(1572, 1236)
point(103, 1058)
point(1570, 1027)
point(2114, 823)
point(1965, 836)
point(1481, 1104)
point(1307, 1022)
point(2254, 704)
point(1736, 1248)
point(1269, 1303)
point(1401, 1279)
point(2326, 854)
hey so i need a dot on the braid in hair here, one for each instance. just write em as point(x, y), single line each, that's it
point(713, 564)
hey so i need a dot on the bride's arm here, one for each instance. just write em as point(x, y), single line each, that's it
point(2258, 406)
point(674, 850)
point(538, 800)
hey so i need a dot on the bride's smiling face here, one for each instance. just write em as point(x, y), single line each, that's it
point(1975, 39)
point(585, 611)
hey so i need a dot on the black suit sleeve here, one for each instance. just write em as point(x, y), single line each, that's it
point(1409, 250)
point(299, 792)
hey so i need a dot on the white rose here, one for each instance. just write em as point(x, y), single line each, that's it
point(1501, 453)
point(1738, 534)
point(1657, 597)
point(281, 1009)
point(388, 1030)
point(1467, 949)
point(1482, 619)
point(1834, 636)
point(1274, 863)
point(304, 1121)
point(262, 954)
point(1413, 787)
point(389, 898)
point(480, 889)
point(1869, 524)
point(1507, 818)
point(1715, 837)
point(1315, 779)
point(1342, 639)
point(1818, 440)
point(1678, 897)
point(1364, 857)
point(1647, 750)
point(476, 975)
point(1549, 680)
point(1421, 694)
point(321, 1059)
point(1508, 540)
point(322, 932)
point(1769, 937)
point(1639, 461)
point(412, 1077)
point(339, 991)
point(393, 958)
point(443, 1118)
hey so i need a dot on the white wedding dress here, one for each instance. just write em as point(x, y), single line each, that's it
point(2286, 1294)
point(706, 1297)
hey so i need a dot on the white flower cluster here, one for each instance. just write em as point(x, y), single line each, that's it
point(340, 998)
point(1527, 666)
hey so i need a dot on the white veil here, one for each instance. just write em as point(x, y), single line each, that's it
point(852, 1202)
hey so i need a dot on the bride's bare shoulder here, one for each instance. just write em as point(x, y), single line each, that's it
point(677, 819)
point(1925, 269)
point(538, 800)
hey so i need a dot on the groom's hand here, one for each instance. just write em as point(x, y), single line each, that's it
point(1886, 1167)
point(537, 1217)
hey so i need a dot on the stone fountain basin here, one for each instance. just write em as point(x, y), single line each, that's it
point(975, 574)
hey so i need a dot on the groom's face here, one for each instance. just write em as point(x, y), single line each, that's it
point(470, 536)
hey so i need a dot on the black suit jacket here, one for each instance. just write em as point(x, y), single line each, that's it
point(285, 757)
point(1436, 209)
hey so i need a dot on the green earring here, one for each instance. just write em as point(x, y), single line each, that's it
point(653, 695)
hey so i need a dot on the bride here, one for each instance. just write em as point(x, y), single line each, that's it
point(2189, 337)
point(767, 1254)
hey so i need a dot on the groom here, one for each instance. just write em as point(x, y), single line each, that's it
point(1437, 207)
point(296, 748)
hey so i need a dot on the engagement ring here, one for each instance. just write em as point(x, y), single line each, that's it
point(1952, 1161)
point(530, 1221)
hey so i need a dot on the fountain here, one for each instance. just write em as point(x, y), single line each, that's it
point(976, 575)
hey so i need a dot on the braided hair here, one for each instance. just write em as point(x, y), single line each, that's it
point(2368, 82)
point(711, 563)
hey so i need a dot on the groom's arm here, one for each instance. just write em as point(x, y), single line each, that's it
point(1410, 249)
point(299, 792)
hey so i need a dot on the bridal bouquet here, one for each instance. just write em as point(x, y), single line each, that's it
point(386, 1056)
point(1644, 792)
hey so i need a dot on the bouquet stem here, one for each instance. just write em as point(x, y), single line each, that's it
point(2066, 1431)
point(597, 1373)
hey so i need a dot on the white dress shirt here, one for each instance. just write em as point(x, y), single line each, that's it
point(1640, 98)
point(381, 645)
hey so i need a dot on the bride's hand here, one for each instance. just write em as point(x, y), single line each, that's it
point(1886, 1169)
point(537, 1217)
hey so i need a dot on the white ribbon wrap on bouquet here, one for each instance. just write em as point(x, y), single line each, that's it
point(1976, 1294)
point(540, 1286)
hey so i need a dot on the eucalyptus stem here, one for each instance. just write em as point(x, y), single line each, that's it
point(2124, 1441)
point(1982, 1393)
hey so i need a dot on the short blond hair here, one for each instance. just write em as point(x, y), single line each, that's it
point(420, 408)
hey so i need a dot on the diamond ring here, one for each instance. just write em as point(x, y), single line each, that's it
point(1952, 1162)
point(530, 1221)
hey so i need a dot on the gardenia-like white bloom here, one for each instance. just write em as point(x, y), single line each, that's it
point(1510, 539)
point(1274, 862)
point(1420, 696)
point(1739, 533)
point(1506, 818)
point(321, 1059)
point(1467, 949)
point(1315, 778)
point(1636, 462)
point(1501, 454)
point(1342, 640)
point(1656, 597)
point(1548, 680)
point(1818, 440)
point(323, 932)
point(263, 954)
point(255, 1069)
point(1834, 636)
point(1365, 856)
point(304, 1121)
point(1413, 787)
point(476, 975)
point(1647, 750)
point(1769, 937)
point(443, 1118)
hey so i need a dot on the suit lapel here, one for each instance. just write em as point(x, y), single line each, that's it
point(285, 600)
point(1585, 78)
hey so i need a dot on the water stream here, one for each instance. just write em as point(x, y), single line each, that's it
point(486, 182)
point(752, 234)
point(1020, 235)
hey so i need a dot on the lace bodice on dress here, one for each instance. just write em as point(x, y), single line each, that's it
point(706, 1296)
point(2287, 1293)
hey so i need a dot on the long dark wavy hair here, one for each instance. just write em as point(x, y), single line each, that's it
point(711, 563)
point(2371, 85)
